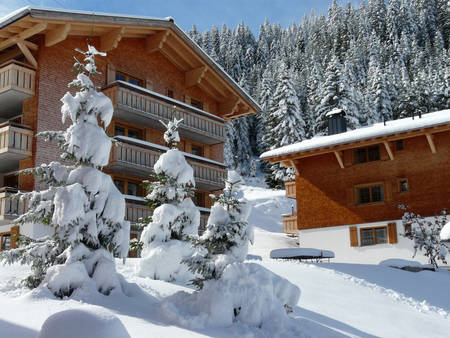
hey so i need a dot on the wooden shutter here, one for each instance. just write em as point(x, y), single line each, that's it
point(110, 74)
point(392, 233)
point(353, 236)
point(388, 191)
point(187, 99)
point(205, 107)
point(14, 233)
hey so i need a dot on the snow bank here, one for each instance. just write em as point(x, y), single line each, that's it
point(401, 263)
point(445, 232)
point(247, 293)
point(301, 253)
point(76, 323)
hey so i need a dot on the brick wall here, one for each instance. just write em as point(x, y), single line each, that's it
point(326, 194)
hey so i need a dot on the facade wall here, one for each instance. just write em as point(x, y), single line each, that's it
point(326, 193)
point(337, 239)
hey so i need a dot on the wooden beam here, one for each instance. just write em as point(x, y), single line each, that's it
point(175, 58)
point(229, 107)
point(156, 41)
point(5, 34)
point(14, 29)
point(110, 40)
point(23, 35)
point(26, 52)
point(194, 76)
point(30, 45)
point(57, 34)
point(339, 159)
point(430, 140)
point(389, 150)
point(10, 55)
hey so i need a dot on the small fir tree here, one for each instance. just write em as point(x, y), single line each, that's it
point(426, 235)
point(226, 238)
point(81, 203)
point(175, 217)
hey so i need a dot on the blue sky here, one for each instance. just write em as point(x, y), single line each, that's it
point(202, 13)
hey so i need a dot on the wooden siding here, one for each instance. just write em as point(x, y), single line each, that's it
point(290, 189)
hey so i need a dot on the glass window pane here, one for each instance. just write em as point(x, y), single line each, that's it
point(120, 186)
point(360, 155)
point(132, 189)
point(134, 81)
point(134, 133)
point(374, 153)
point(119, 131)
point(363, 195)
point(120, 77)
point(380, 235)
point(403, 186)
point(366, 237)
point(377, 193)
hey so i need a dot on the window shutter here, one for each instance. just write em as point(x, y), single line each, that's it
point(187, 99)
point(205, 107)
point(350, 197)
point(148, 84)
point(353, 236)
point(110, 74)
point(388, 192)
point(392, 233)
point(348, 161)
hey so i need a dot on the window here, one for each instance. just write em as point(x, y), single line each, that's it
point(399, 145)
point(407, 228)
point(199, 199)
point(128, 187)
point(197, 103)
point(372, 236)
point(128, 78)
point(132, 189)
point(11, 181)
point(197, 150)
point(403, 185)
point(120, 130)
point(170, 93)
point(120, 185)
point(370, 193)
point(367, 154)
point(6, 241)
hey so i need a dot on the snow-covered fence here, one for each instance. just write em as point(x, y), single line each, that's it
point(16, 140)
point(14, 76)
point(158, 107)
point(11, 207)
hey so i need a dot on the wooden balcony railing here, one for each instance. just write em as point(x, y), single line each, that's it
point(14, 76)
point(290, 224)
point(11, 207)
point(153, 107)
point(139, 160)
point(135, 211)
point(290, 189)
point(15, 140)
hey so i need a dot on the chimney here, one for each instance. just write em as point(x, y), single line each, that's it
point(336, 121)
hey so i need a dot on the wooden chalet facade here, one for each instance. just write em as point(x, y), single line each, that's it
point(153, 71)
point(348, 186)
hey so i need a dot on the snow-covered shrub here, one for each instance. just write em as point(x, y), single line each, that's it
point(81, 203)
point(226, 238)
point(246, 292)
point(445, 233)
point(175, 218)
point(425, 233)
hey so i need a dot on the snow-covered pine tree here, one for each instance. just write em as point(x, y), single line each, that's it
point(285, 125)
point(377, 97)
point(81, 203)
point(226, 238)
point(175, 218)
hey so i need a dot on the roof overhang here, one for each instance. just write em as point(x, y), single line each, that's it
point(160, 35)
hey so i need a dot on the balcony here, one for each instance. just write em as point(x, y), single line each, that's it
point(138, 157)
point(290, 224)
point(290, 189)
point(16, 84)
point(15, 144)
point(145, 107)
point(10, 207)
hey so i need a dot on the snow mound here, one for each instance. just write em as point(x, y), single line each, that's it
point(76, 323)
point(400, 263)
point(445, 232)
point(246, 293)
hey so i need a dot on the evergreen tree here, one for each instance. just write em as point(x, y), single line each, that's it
point(226, 238)
point(175, 217)
point(81, 203)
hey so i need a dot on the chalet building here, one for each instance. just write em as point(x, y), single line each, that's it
point(348, 185)
point(153, 71)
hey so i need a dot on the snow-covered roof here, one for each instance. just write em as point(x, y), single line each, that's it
point(377, 130)
point(335, 111)
point(123, 19)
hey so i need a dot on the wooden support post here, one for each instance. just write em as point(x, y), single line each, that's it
point(389, 150)
point(26, 52)
point(57, 35)
point(111, 39)
point(156, 41)
point(194, 76)
point(431, 142)
point(339, 159)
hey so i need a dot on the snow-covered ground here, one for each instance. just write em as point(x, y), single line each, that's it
point(336, 299)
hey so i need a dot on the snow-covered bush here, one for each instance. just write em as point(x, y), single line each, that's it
point(425, 233)
point(175, 218)
point(226, 238)
point(246, 292)
point(81, 203)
